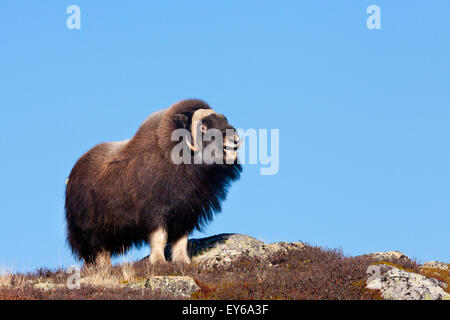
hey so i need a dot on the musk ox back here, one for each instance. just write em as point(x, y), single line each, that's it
point(121, 194)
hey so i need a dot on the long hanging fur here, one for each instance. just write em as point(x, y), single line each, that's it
point(119, 192)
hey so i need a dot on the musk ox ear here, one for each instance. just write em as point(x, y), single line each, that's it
point(181, 120)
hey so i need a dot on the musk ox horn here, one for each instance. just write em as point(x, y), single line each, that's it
point(196, 118)
point(191, 146)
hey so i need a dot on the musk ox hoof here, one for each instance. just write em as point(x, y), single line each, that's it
point(157, 259)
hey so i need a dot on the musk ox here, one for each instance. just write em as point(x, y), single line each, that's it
point(123, 194)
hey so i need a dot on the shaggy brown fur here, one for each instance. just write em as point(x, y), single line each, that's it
point(118, 193)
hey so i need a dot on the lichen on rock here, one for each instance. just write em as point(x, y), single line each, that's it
point(436, 265)
point(225, 248)
point(397, 284)
point(387, 256)
point(177, 286)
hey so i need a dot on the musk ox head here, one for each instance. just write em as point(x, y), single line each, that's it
point(208, 135)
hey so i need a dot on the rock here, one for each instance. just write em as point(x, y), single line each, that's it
point(46, 285)
point(437, 269)
point(397, 284)
point(387, 256)
point(171, 285)
point(226, 248)
point(135, 285)
point(436, 265)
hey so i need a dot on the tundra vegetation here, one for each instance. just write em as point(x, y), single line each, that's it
point(307, 273)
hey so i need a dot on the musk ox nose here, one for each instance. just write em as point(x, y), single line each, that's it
point(237, 139)
point(233, 142)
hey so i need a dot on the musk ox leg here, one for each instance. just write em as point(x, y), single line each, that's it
point(103, 259)
point(158, 241)
point(179, 250)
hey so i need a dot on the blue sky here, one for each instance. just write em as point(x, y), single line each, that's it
point(363, 114)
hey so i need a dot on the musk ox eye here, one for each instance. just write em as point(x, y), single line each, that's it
point(204, 128)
